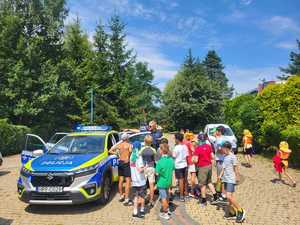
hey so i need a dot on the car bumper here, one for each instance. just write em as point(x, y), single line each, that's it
point(81, 191)
point(64, 198)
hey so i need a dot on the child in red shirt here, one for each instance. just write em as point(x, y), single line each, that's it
point(204, 166)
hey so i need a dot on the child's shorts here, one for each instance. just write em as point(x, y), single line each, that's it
point(140, 191)
point(163, 193)
point(192, 168)
point(150, 174)
point(204, 175)
point(181, 173)
point(229, 187)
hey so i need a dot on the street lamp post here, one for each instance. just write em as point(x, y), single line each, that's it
point(92, 107)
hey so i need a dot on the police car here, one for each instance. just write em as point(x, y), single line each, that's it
point(76, 170)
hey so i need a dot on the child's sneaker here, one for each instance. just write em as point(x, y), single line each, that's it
point(138, 215)
point(240, 217)
point(142, 213)
point(230, 217)
point(182, 199)
point(128, 202)
point(169, 212)
point(122, 198)
point(164, 216)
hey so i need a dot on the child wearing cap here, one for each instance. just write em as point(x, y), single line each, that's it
point(230, 176)
point(188, 137)
point(281, 161)
point(247, 146)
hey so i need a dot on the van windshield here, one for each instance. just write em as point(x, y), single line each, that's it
point(227, 132)
point(79, 145)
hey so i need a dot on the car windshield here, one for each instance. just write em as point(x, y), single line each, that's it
point(56, 137)
point(79, 145)
point(138, 137)
point(227, 132)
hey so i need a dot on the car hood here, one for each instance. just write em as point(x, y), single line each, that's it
point(60, 162)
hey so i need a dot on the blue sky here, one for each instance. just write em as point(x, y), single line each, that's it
point(253, 37)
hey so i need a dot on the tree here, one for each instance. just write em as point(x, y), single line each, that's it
point(214, 70)
point(294, 67)
point(191, 99)
point(31, 36)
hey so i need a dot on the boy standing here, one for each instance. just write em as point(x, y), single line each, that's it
point(139, 188)
point(123, 150)
point(205, 156)
point(148, 155)
point(229, 176)
point(180, 154)
point(164, 170)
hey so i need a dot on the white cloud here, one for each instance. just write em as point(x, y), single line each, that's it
point(281, 24)
point(149, 51)
point(246, 2)
point(289, 45)
point(246, 79)
point(191, 24)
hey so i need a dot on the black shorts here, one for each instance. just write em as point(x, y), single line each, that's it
point(181, 173)
point(248, 151)
point(124, 169)
point(140, 191)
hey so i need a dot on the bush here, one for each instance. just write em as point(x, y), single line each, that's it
point(292, 136)
point(12, 137)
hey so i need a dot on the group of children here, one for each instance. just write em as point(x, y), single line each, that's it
point(191, 157)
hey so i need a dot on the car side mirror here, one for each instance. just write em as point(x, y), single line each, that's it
point(37, 153)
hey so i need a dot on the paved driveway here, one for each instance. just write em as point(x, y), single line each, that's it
point(266, 203)
point(15, 212)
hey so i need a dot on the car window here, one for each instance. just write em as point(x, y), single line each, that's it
point(116, 136)
point(139, 137)
point(33, 143)
point(227, 132)
point(79, 145)
point(110, 142)
point(56, 137)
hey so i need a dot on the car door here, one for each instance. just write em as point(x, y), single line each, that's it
point(34, 146)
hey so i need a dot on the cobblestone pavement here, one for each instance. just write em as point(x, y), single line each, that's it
point(15, 212)
point(265, 203)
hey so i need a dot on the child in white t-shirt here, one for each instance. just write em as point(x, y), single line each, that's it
point(180, 154)
point(138, 181)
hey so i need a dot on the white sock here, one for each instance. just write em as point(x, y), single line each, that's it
point(142, 209)
point(223, 195)
point(135, 211)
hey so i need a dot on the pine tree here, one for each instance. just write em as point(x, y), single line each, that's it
point(214, 70)
point(294, 67)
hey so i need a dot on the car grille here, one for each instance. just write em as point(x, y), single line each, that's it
point(50, 196)
point(51, 180)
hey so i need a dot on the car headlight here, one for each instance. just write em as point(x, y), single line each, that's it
point(25, 172)
point(86, 171)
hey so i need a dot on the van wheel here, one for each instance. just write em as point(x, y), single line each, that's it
point(105, 189)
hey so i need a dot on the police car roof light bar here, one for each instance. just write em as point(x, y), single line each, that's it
point(93, 128)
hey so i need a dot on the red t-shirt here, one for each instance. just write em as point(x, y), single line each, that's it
point(189, 145)
point(204, 155)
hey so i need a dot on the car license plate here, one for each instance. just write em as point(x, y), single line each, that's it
point(50, 189)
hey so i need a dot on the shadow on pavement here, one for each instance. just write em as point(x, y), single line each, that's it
point(3, 173)
point(68, 209)
point(4, 221)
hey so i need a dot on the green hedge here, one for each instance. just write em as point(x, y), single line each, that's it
point(292, 135)
point(12, 137)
